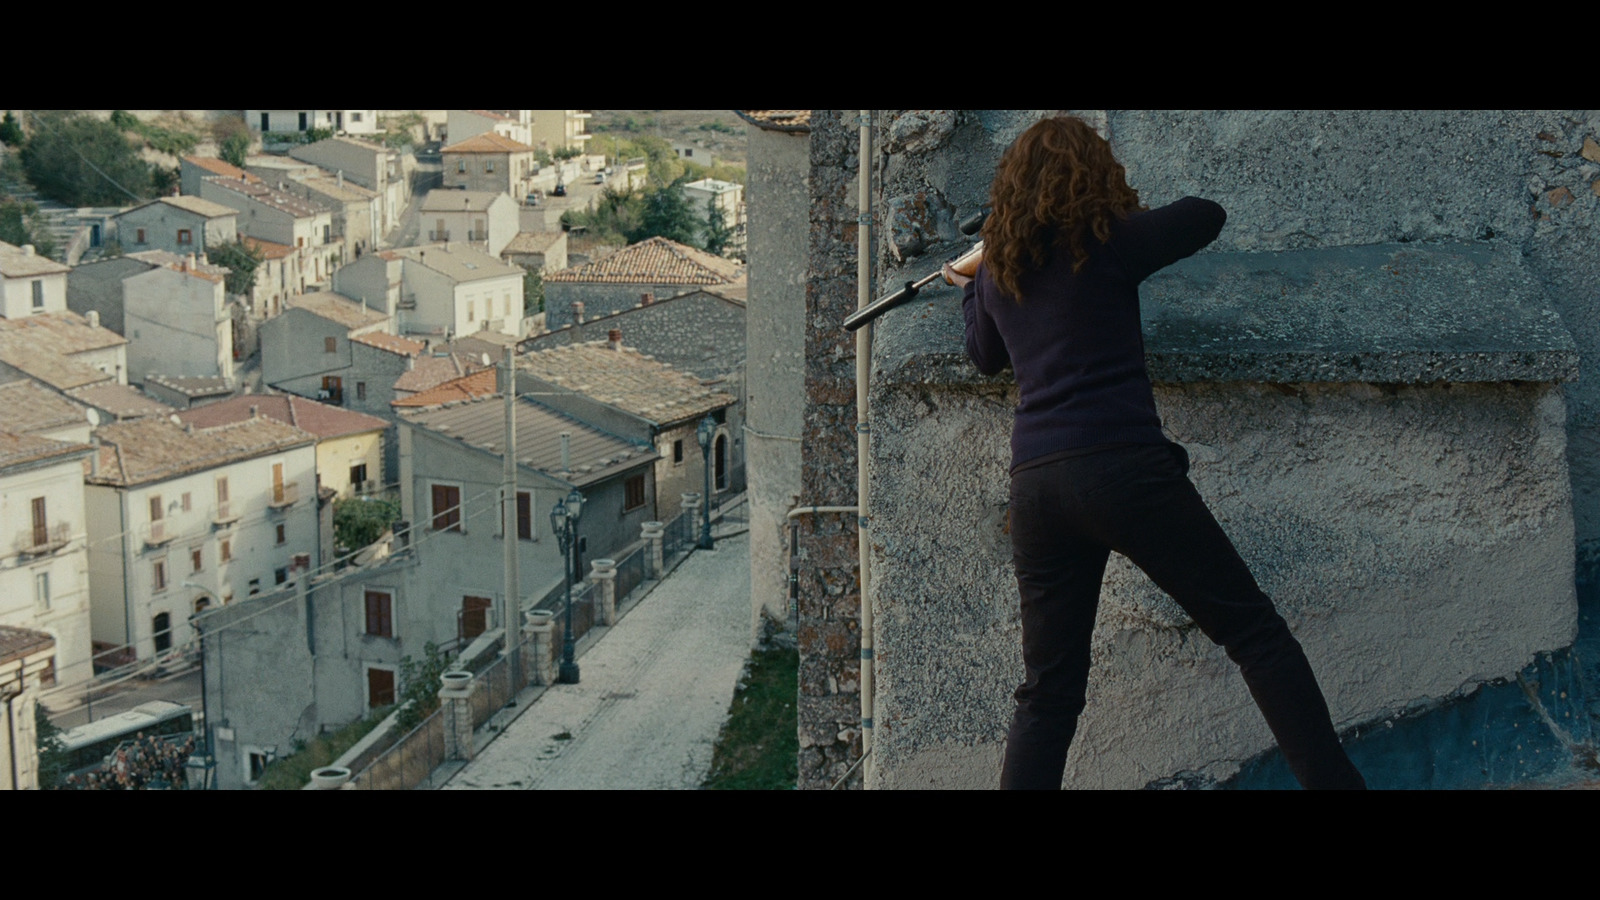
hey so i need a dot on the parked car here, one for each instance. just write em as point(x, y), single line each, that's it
point(560, 191)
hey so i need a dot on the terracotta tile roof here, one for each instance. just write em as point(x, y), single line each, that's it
point(21, 449)
point(480, 424)
point(338, 308)
point(20, 642)
point(654, 261)
point(488, 142)
point(532, 242)
point(121, 400)
point(796, 120)
point(17, 263)
point(27, 406)
point(42, 346)
point(269, 249)
point(198, 205)
point(450, 200)
point(390, 342)
point(434, 370)
point(626, 379)
point(219, 167)
point(478, 384)
point(193, 386)
point(286, 203)
point(319, 419)
point(156, 448)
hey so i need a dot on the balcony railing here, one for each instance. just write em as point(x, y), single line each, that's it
point(158, 533)
point(224, 514)
point(284, 495)
point(39, 541)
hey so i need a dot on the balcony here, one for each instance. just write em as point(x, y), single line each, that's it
point(284, 495)
point(439, 235)
point(157, 533)
point(224, 514)
point(40, 541)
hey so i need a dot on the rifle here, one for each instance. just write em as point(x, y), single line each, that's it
point(966, 264)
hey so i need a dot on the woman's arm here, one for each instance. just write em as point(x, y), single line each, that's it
point(1150, 241)
point(984, 345)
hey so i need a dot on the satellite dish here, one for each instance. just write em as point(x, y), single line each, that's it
point(484, 357)
point(93, 416)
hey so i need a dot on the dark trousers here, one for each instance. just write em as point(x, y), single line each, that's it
point(1066, 518)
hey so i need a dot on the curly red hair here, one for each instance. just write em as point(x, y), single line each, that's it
point(1057, 183)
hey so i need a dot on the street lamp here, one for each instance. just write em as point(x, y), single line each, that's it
point(707, 429)
point(205, 709)
point(564, 524)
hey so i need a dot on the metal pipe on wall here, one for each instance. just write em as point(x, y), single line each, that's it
point(863, 428)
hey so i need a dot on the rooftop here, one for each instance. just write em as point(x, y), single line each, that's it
point(448, 200)
point(195, 385)
point(330, 186)
point(19, 642)
point(198, 206)
point(532, 241)
point(153, 449)
point(338, 308)
point(20, 262)
point(656, 260)
point(393, 343)
point(271, 197)
point(480, 424)
point(22, 449)
point(27, 406)
point(626, 379)
point(481, 383)
point(488, 142)
point(180, 263)
point(121, 401)
point(793, 120)
point(219, 167)
point(429, 371)
point(268, 249)
point(42, 345)
point(459, 262)
point(319, 419)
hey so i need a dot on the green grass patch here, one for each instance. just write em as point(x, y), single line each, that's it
point(291, 773)
point(758, 747)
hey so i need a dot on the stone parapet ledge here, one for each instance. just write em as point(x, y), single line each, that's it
point(1380, 314)
point(1380, 430)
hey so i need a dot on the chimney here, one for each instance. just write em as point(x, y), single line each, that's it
point(615, 337)
point(566, 451)
point(254, 410)
point(93, 316)
point(27, 249)
point(577, 311)
point(647, 298)
point(94, 458)
point(340, 176)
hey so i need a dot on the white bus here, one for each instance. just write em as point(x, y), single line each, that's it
point(87, 746)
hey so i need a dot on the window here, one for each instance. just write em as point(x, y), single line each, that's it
point(197, 559)
point(302, 121)
point(300, 242)
point(282, 538)
point(355, 116)
point(280, 575)
point(474, 616)
point(155, 507)
point(226, 552)
point(41, 590)
point(472, 314)
point(161, 628)
point(255, 586)
point(47, 678)
point(38, 295)
point(358, 476)
point(222, 490)
point(380, 688)
point(138, 235)
point(264, 127)
point(184, 501)
point(380, 614)
point(158, 579)
point(524, 515)
point(446, 508)
point(330, 345)
point(635, 493)
point(185, 236)
point(461, 165)
point(361, 390)
point(677, 452)
point(488, 165)
point(41, 523)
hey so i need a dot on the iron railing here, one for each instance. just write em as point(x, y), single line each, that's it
point(410, 763)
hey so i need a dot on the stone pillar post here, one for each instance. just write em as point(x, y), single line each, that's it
point(455, 704)
point(654, 534)
point(541, 643)
point(691, 509)
point(604, 577)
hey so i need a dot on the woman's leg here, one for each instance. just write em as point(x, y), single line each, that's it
point(1163, 526)
point(1058, 577)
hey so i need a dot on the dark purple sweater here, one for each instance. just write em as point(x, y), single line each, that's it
point(1075, 341)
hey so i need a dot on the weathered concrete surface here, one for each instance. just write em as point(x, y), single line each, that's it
point(1381, 429)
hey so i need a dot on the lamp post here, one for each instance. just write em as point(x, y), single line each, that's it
point(205, 709)
point(707, 429)
point(564, 524)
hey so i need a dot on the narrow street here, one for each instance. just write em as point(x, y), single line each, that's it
point(652, 697)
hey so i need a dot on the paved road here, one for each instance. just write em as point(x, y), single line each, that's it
point(183, 687)
point(653, 695)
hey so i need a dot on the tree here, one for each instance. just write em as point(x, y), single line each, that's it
point(419, 685)
point(20, 223)
point(11, 131)
point(359, 521)
point(235, 147)
point(718, 232)
point(52, 752)
point(241, 260)
point(81, 161)
point(533, 292)
point(666, 214)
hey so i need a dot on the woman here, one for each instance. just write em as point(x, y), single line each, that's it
point(1057, 299)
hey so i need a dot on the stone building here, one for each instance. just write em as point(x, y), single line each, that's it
point(30, 283)
point(699, 331)
point(25, 657)
point(1377, 391)
point(181, 225)
point(656, 267)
